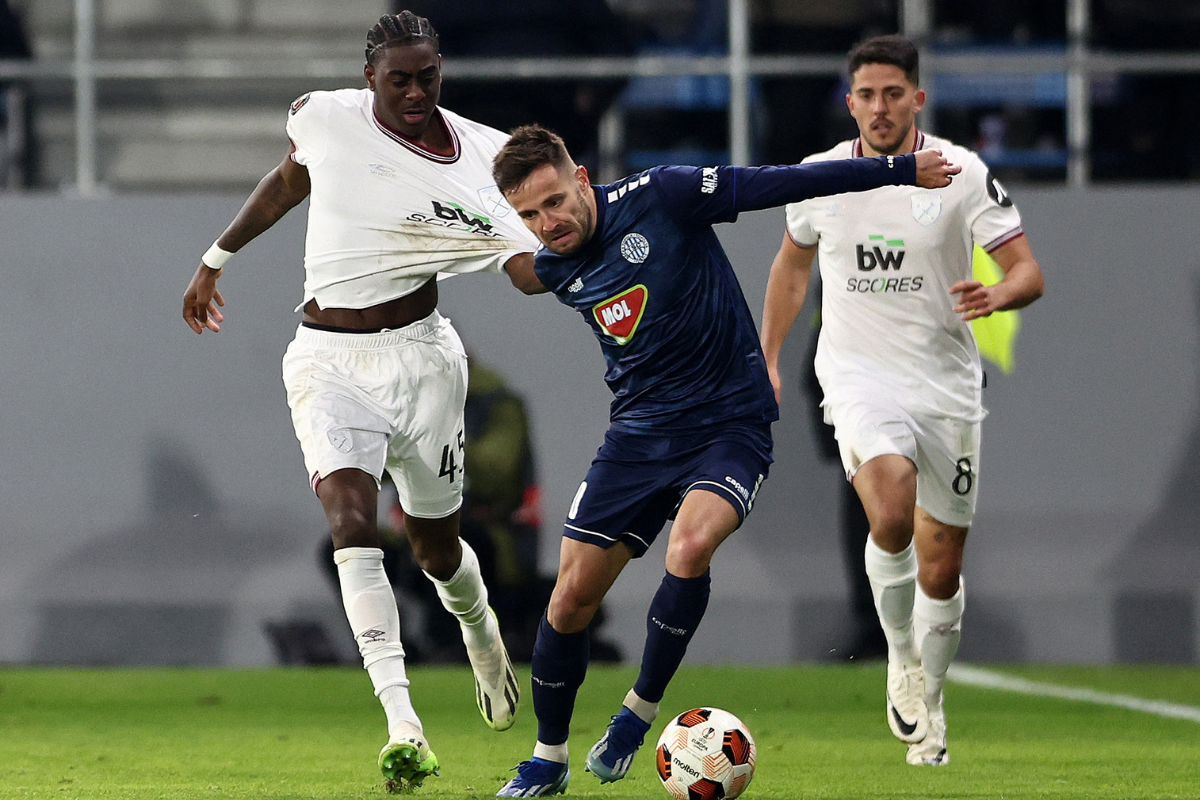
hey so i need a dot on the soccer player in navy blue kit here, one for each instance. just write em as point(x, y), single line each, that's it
point(690, 433)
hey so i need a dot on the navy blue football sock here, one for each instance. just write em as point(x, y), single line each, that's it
point(557, 671)
point(675, 613)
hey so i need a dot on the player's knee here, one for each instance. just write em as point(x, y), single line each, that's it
point(436, 558)
point(940, 577)
point(351, 527)
point(689, 553)
point(435, 545)
point(570, 611)
point(892, 527)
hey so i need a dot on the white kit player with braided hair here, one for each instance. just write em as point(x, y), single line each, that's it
point(400, 190)
point(900, 369)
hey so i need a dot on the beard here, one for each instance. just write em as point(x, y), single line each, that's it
point(583, 227)
point(889, 147)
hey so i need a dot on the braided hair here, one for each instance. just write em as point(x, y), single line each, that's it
point(399, 29)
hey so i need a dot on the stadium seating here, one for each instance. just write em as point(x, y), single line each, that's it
point(192, 134)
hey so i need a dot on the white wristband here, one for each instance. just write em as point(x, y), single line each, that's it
point(215, 257)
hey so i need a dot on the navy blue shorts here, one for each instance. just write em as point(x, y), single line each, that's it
point(637, 481)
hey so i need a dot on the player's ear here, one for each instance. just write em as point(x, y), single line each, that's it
point(369, 74)
point(581, 175)
point(919, 99)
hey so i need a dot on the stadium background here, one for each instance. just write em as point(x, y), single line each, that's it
point(154, 507)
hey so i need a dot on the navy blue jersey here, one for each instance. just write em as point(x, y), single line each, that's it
point(660, 294)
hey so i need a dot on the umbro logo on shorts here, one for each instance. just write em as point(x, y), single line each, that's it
point(299, 102)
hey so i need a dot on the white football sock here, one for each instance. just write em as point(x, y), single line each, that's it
point(551, 752)
point(645, 710)
point(893, 579)
point(466, 597)
point(371, 611)
point(938, 624)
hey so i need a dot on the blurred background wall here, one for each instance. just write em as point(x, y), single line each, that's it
point(153, 505)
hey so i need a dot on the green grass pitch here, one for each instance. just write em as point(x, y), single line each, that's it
point(287, 734)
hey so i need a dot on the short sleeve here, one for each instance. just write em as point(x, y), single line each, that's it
point(306, 127)
point(799, 225)
point(991, 214)
point(798, 222)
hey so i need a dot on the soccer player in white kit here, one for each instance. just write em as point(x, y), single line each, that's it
point(900, 369)
point(399, 190)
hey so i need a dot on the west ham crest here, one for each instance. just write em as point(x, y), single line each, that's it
point(341, 441)
point(926, 208)
point(494, 203)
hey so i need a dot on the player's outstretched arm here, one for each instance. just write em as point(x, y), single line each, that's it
point(786, 287)
point(280, 190)
point(1023, 283)
point(520, 272)
point(933, 170)
point(753, 188)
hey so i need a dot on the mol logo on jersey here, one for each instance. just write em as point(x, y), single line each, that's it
point(619, 316)
point(874, 255)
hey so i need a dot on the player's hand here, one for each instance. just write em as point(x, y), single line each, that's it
point(976, 300)
point(933, 170)
point(201, 301)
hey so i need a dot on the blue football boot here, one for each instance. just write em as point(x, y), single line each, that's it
point(610, 758)
point(537, 777)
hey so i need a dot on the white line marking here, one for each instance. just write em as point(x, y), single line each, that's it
point(975, 676)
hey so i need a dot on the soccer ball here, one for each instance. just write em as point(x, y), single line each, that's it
point(705, 754)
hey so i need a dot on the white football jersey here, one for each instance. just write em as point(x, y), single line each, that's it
point(385, 214)
point(888, 258)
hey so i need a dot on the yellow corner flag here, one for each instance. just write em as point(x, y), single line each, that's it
point(996, 333)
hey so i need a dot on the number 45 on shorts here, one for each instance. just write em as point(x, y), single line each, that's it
point(449, 462)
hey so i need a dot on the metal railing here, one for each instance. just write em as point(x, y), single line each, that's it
point(741, 66)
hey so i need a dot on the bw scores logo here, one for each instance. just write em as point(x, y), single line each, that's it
point(448, 214)
point(877, 256)
point(883, 254)
point(619, 316)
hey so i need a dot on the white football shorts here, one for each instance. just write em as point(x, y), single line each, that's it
point(945, 451)
point(391, 400)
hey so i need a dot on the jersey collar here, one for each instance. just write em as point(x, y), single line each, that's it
point(601, 212)
point(416, 147)
point(918, 144)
